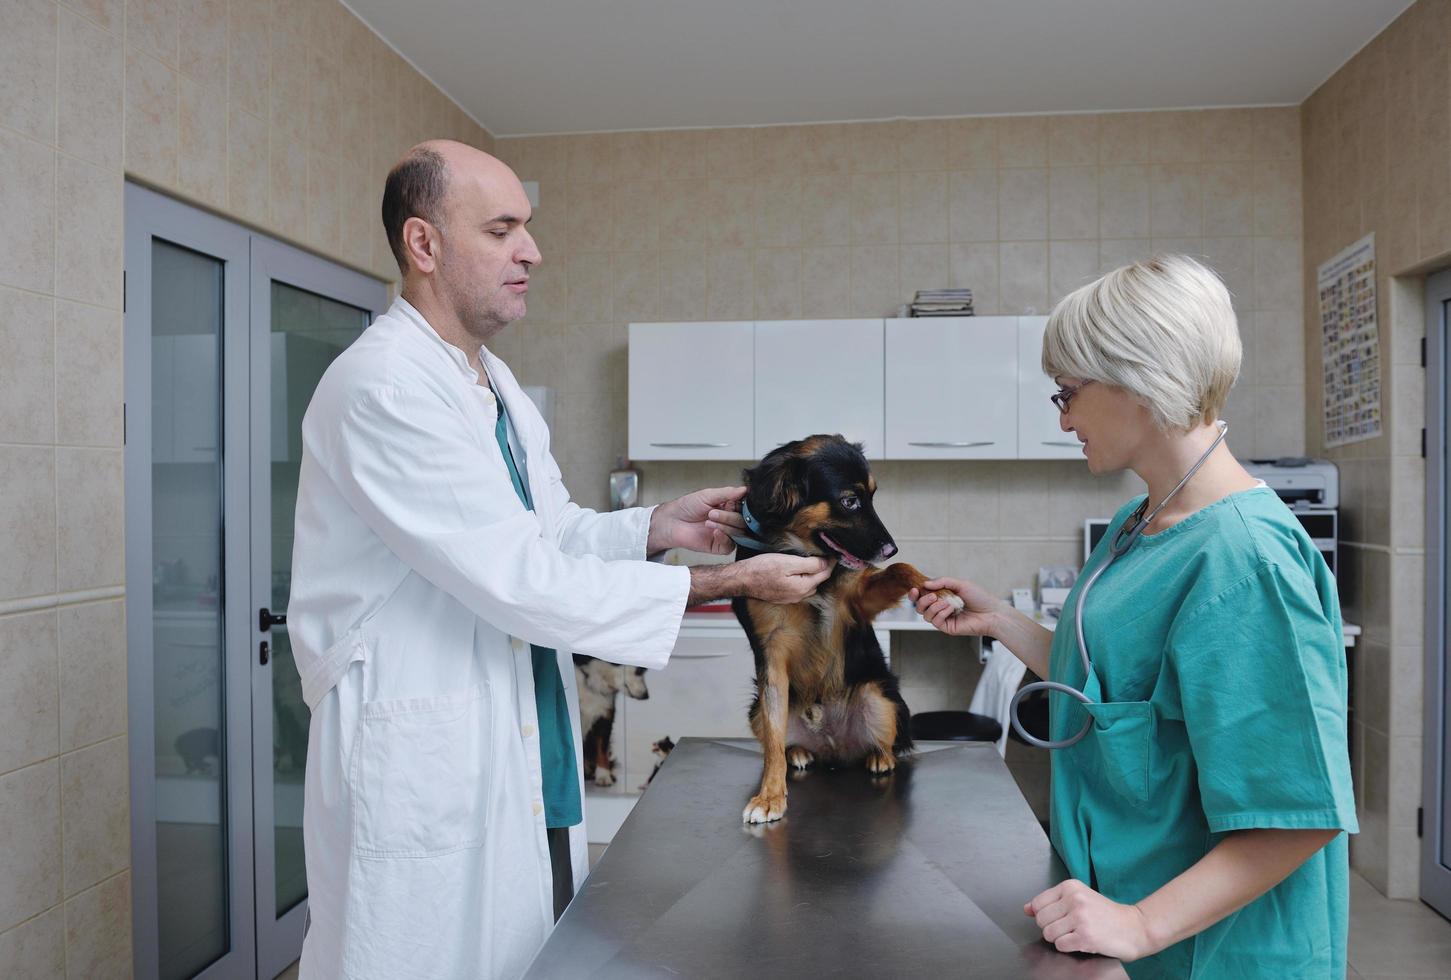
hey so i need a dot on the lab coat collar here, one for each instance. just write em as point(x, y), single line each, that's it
point(410, 313)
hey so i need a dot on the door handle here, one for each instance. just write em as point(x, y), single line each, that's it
point(266, 620)
point(690, 445)
point(1064, 443)
point(951, 445)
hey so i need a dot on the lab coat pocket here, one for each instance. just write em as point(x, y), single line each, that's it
point(1123, 731)
point(422, 774)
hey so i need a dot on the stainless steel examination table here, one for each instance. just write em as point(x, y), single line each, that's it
point(922, 873)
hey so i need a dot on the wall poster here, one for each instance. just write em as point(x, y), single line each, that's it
point(1350, 345)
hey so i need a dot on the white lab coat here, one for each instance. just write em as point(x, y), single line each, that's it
point(419, 581)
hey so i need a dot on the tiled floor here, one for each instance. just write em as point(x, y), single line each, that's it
point(1389, 940)
point(1392, 939)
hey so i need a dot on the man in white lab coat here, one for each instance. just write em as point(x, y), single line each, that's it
point(441, 580)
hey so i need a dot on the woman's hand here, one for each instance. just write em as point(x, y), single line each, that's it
point(976, 618)
point(1077, 919)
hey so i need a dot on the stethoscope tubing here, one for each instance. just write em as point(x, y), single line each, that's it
point(1118, 546)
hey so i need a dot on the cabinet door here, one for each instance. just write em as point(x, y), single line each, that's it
point(691, 391)
point(704, 690)
point(952, 388)
point(815, 376)
point(1039, 436)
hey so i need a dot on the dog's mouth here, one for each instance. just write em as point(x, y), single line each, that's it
point(846, 558)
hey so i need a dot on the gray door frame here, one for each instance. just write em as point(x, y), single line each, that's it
point(261, 943)
point(148, 216)
point(278, 938)
point(1436, 740)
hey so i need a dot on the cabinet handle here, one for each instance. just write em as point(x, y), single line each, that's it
point(951, 445)
point(690, 445)
point(1065, 443)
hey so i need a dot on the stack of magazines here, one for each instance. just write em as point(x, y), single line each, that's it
point(942, 302)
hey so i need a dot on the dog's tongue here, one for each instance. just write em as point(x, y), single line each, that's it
point(847, 558)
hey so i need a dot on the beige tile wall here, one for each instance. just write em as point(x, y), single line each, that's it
point(282, 115)
point(1377, 139)
point(850, 220)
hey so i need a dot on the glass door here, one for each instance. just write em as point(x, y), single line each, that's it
point(305, 312)
point(227, 334)
point(187, 573)
point(1436, 744)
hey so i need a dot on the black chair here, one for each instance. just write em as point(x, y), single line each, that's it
point(955, 726)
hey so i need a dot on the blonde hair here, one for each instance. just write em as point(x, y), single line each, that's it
point(1163, 329)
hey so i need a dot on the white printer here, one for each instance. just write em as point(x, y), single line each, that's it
point(1300, 481)
point(1311, 489)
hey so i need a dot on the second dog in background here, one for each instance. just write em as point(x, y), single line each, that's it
point(599, 682)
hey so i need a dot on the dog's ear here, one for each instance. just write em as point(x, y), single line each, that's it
point(774, 487)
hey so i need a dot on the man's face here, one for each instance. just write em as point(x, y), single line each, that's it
point(487, 250)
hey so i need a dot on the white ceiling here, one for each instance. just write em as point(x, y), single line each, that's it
point(560, 66)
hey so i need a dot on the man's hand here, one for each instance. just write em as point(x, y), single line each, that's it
point(702, 521)
point(771, 578)
point(1077, 919)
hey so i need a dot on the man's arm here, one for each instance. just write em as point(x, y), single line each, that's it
point(772, 578)
point(405, 465)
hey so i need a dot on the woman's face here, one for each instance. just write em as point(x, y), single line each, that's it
point(1110, 422)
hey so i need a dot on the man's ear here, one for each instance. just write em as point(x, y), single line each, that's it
point(421, 242)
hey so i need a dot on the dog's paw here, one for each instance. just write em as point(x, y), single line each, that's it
point(764, 808)
point(879, 762)
point(798, 757)
point(953, 599)
point(604, 777)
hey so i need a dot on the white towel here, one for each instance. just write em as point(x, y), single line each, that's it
point(1000, 679)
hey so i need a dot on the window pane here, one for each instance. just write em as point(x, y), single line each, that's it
point(186, 582)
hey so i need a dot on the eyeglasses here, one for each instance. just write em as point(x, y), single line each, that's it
point(1063, 396)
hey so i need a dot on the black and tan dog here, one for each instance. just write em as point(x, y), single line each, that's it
point(823, 690)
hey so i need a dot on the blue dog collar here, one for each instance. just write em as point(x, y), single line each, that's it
point(754, 526)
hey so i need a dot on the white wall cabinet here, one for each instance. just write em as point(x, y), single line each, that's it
point(815, 376)
point(924, 388)
point(692, 391)
point(952, 388)
point(1039, 436)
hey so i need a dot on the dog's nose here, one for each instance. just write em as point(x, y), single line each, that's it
point(645, 696)
point(888, 550)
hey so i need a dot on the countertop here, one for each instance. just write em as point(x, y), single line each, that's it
point(922, 873)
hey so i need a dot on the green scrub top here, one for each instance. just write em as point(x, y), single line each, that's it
point(562, 805)
point(1218, 656)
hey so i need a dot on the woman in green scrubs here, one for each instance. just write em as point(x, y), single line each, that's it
point(1203, 815)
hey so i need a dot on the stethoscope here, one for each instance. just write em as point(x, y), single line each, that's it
point(1118, 546)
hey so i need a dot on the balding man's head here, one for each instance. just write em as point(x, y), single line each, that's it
point(418, 186)
point(455, 218)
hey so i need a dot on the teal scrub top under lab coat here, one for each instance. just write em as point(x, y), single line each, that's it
point(1218, 654)
point(562, 805)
